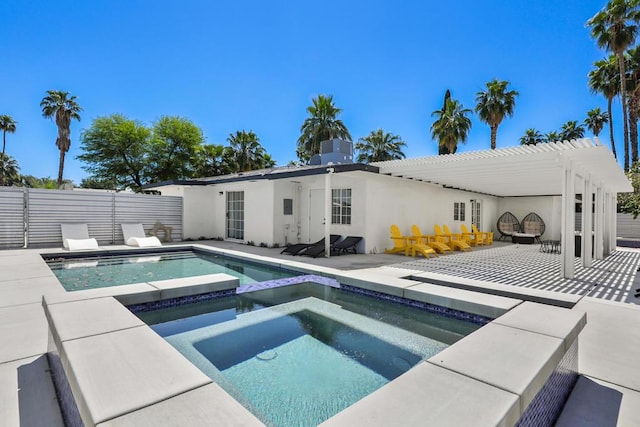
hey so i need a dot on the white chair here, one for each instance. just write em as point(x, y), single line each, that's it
point(75, 237)
point(134, 236)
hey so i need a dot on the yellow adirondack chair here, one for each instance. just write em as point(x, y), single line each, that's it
point(430, 241)
point(408, 244)
point(475, 239)
point(456, 241)
point(487, 236)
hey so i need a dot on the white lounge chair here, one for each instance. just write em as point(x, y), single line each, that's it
point(75, 237)
point(134, 236)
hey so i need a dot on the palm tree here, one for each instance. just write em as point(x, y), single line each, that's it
point(605, 80)
point(553, 136)
point(451, 126)
point(247, 151)
point(633, 89)
point(596, 120)
point(531, 137)
point(321, 125)
point(571, 130)
point(63, 107)
point(379, 146)
point(7, 124)
point(9, 169)
point(615, 29)
point(494, 104)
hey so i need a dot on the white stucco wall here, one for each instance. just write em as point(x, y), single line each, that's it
point(403, 202)
point(198, 205)
point(548, 207)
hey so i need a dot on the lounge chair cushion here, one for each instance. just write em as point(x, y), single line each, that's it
point(144, 242)
point(80, 244)
point(531, 227)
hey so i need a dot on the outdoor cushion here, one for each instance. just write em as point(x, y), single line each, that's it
point(76, 237)
point(144, 242)
point(80, 244)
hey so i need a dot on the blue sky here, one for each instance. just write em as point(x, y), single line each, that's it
point(256, 65)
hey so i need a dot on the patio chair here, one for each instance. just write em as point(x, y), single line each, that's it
point(408, 244)
point(297, 248)
point(75, 237)
point(429, 240)
point(487, 236)
point(346, 246)
point(455, 241)
point(475, 239)
point(533, 224)
point(507, 225)
point(134, 236)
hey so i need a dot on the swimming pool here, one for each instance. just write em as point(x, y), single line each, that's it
point(99, 270)
point(297, 355)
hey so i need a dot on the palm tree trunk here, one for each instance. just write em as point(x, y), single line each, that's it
point(633, 127)
point(4, 141)
point(625, 119)
point(60, 168)
point(494, 134)
point(613, 144)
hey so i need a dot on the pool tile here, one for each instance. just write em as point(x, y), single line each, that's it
point(508, 358)
point(89, 317)
point(120, 372)
point(207, 405)
point(430, 395)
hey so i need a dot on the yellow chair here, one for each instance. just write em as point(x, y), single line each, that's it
point(407, 244)
point(430, 241)
point(456, 241)
point(487, 236)
point(475, 239)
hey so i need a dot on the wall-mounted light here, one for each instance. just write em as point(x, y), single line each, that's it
point(220, 193)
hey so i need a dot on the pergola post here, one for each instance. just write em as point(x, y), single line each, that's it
point(614, 221)
point(567, 267)
point(607, 225)
point(599, 225)
point(327, 212)
point(587, 226)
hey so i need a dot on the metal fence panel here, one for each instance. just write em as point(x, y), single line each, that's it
point(11, 218)
point(148, 209)
point(628, 227)
point(47, 209)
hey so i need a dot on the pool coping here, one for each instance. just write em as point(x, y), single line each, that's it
point(507, 404)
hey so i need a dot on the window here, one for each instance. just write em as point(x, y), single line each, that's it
point(288, 207)
point(458, 211)
point(341, 206)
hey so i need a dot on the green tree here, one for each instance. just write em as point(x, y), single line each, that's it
point(494, 104)
point(99, 184)
point(451, 125)
point(9, 170)
point(214, 160)
point(532, 137)
point(31, 181)
point(267, 161)
point(59, 105)
point(321, 125)
point(596, 120)
point(7, 125)
point(605, 80)
point(615, 29)
point(248, 154)
point(116, 152)
point(553, 136)
point(630, 202)
point(571, 130)
point(379, 146)
point(175, 141)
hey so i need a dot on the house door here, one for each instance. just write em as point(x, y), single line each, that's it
point(235, 215)
point(316, 215)
point(476, 213)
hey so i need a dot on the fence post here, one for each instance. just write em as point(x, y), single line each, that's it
point(113, 218)
point(25, 218)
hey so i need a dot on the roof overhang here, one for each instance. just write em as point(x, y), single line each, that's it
point(517, 171)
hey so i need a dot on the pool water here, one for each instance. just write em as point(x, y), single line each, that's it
point(103, 271)
point(297, 355)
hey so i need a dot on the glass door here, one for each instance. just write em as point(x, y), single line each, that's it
point(476, 211)
point(235, 215)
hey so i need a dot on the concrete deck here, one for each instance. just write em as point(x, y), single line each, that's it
point(609, 344)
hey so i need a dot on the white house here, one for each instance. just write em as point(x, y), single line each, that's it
point(290, 204)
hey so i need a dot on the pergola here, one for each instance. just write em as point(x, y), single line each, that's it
point(563, 168)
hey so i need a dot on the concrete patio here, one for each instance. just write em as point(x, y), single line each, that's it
point(608, 392)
